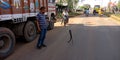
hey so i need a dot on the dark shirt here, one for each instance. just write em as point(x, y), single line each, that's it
point(42, 21)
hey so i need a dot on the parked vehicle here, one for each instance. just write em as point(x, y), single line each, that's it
point(101, 12)
point(94, 12)
point(18, 18)
point(96, 9)
point(86, 12)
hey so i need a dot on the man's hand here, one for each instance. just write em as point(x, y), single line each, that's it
point(38, 27)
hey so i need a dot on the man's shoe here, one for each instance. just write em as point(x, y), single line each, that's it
point(44, 45)
point(39, 47)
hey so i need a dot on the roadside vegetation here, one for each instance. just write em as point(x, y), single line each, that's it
point(71, 14)
point(114, 15)
point(108, 14)
point(69, 5)
point(118, 15)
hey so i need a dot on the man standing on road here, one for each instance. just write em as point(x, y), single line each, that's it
point(43, 26)
point(65, 17)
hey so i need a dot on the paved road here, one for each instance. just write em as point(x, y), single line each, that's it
point(94, 38)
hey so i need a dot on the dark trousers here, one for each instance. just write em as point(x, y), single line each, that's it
point(42, 37)
point(65, 19)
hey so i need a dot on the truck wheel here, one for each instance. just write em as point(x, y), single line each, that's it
point(30, 31)
point(7, 42)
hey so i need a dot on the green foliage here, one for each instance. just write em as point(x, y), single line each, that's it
point(118, 15)
point(71, 14)
point(72, 3)
point(60, 2)
point(108, 14)
point(59, 15)
point(81, 7)
point(118, 4)
point(84, 7)
point(76, 1)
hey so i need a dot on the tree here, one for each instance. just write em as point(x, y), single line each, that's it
point(76, 1)
point(72, 4)
point(118, 4)
point(60, 2)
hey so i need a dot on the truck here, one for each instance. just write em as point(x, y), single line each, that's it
point(18, 19)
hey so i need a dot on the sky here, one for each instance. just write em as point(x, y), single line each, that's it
point(103, 3)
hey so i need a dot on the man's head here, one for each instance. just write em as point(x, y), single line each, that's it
point(42, 10)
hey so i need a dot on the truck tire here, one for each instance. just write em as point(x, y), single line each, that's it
point(30, 31)
point(7, 42)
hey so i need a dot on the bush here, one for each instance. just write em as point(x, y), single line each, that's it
point(118, 15)
point(59, 15)
point(108, 14)
point(71, 14)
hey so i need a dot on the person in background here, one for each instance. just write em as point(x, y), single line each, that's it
point(86, 11)
point(65, 17)
point(94, 12)
point(53, 20)
point(43, 26)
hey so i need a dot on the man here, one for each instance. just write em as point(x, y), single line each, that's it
point(94, 12)
point(65, 17)
point(86, 11)
point(43, 26)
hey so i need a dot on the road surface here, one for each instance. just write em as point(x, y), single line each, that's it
point(94, 38)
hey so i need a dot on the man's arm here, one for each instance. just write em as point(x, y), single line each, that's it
point(37, 22)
